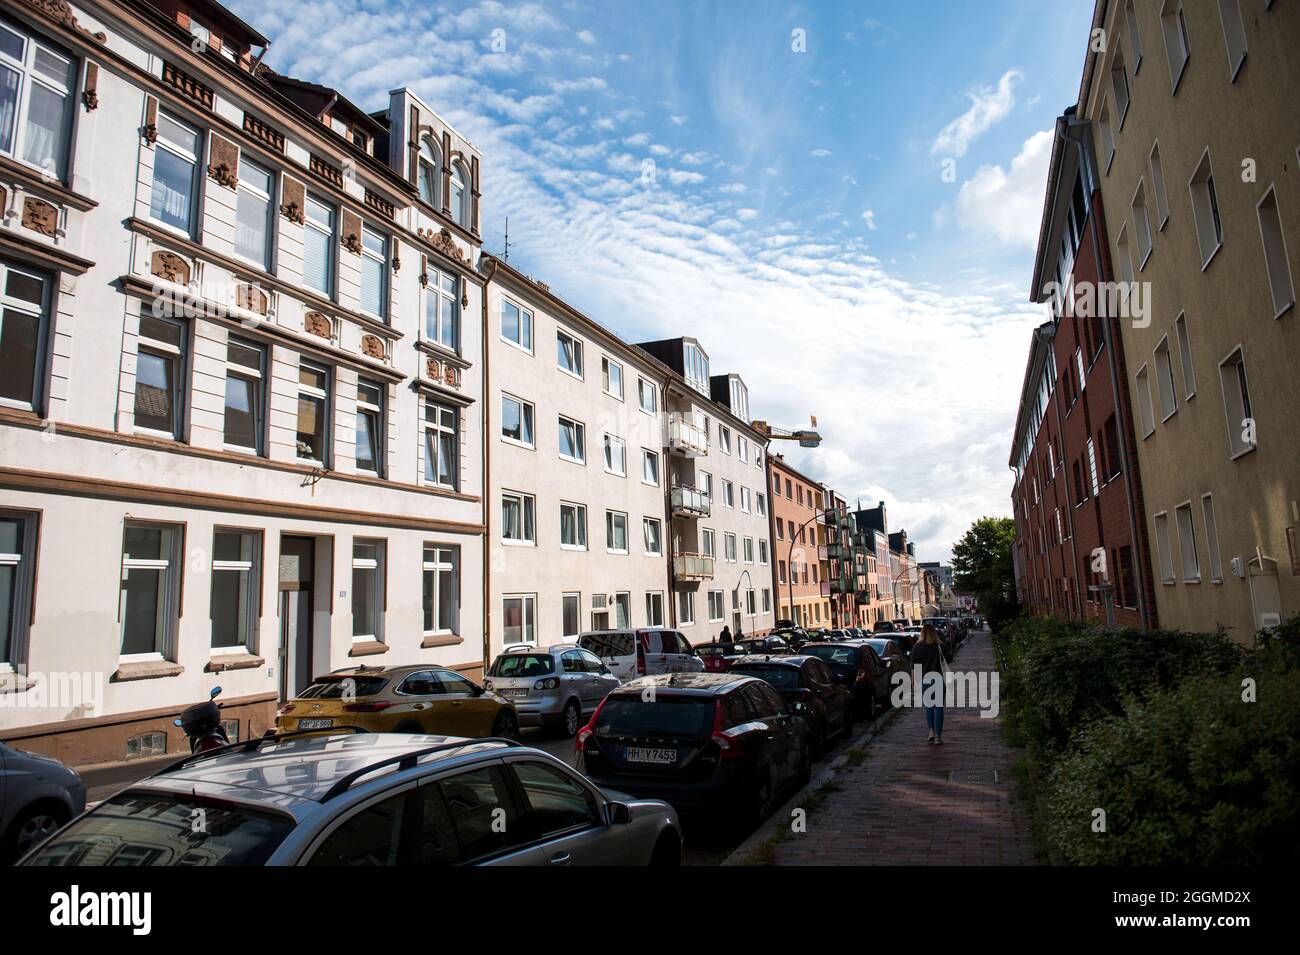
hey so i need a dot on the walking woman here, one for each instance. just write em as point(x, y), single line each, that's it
point(931, 656)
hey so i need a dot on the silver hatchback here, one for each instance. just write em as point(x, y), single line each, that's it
point(553, 687)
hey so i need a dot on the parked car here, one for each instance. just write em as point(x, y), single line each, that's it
point(37, 796)
point(809, 688)
point(641, 652)
point(891, 655)
point(772, 643)
point(552, 687)
point(414, 698)
point(369, 799)
point(857, 668)
point(720, 742)
point(794, 636)
point(716, 657)
point(883, 626)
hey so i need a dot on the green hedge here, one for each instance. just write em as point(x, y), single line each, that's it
point(1192, 775)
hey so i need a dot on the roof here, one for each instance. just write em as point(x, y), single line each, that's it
point(1033, 366)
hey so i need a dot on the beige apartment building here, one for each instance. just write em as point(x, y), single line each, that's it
point(1192, 109)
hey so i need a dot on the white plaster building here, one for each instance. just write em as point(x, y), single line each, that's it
point(241, 378)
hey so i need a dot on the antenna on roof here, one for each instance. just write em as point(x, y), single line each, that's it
point(505, 255)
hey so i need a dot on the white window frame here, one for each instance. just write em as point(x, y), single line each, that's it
point(579, 523)
point(28, 76)
point(1234, 36)
point(1206, 213)
point(1146, 409)
point(576, 344)
point(722, 606)
point(686, 608)
point(258, 377)
point(728, 493)
point(445, 560)
point(762, 551)
point(654, 608)
point(646, 524)
point(267, 198)
point(1189, 553)
point(527, 618)
point(576, 597)
point(744, 500)
point(435, 425)
point(327, 410)
point(527, 519)
point(1163, 362)
point(251, 569)
point(1173, 26)
point(378, 564)
point(611, 522)
point(1185, 356)
point(1156, 167)
point(525, 326)
point(747, 549)
point(378, 413)
point(1234, 403)
point(646, 387)
point(193, 157)
point(24, 563)
point(708, 542)
point(436, 293)
point(433, 161)
point(1212, 538)
point(1164, 553)
point(169, 585)
point(580, 440)
point(331, 245)
point(175, 354)
point(724, 439)
point(729, 551)
point(376, 257)
point(527, 417)
point(611, 443)
point(607, 366)
point(1277, 264)
point(40, 312)
point(650, 463)
point(1142, 225)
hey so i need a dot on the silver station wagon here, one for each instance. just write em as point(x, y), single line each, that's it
point(368, 799)
point(553, 687)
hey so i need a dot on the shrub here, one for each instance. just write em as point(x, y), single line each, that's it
point(1191, 775)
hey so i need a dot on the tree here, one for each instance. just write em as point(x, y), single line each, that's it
point(982, 566)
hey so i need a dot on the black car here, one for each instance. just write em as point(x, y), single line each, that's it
point(810, 688)
point(700, 741)
point(772, 643)
point(857, 668)
point(891, 654)
point(884, 626)
point(796, 637)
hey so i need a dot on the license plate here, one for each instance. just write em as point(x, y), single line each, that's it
point(641, 754)
point(315, 724)
point(514, 692)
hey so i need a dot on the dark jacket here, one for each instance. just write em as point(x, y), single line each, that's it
point(927, 655)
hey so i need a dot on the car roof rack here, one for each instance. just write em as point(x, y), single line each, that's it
point(408, 761)
point(253, 743)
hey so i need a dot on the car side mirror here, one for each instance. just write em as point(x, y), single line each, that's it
point(478, 690)
point(619, 814)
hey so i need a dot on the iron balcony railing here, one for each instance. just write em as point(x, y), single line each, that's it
point(693, 566)
point(690, 501)
point(687, 434)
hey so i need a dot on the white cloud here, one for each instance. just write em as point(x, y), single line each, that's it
point(869, 218)
point(819, 153)
point(746, 215)
point(1008, 204)
point(586, 36)
point(988, 106)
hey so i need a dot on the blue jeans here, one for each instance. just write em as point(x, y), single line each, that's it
point(934, 719)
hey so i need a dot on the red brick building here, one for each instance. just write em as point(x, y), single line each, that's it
point(1080, 540)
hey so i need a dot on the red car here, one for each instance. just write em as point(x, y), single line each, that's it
point(717, 657)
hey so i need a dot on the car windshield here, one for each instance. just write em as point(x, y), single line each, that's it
point(668, 715)
point(846, 656)
point(333, 687)
point(607, 645)
point(139, 829)
point(878, 645)
point(522, 665)
point(781, 678)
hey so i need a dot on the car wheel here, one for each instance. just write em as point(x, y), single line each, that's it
point(667, 851)
point(572, 717)
point(33, 826)
point(506, 725)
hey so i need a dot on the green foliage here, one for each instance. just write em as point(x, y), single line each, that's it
point(1192, 775)
point(981, 560)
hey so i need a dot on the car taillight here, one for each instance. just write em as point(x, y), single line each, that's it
point(580, 738)
point(282, 711)
point(862, 675)
point(366, 707)
point(729, 747)
point(548, 684)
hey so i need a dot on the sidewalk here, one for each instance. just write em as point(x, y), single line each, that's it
point(910, 803)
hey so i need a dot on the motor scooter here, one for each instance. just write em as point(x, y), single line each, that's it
point(202, 724)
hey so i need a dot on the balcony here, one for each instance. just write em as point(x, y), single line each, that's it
point(826, 588)
point(830, 552)
point(693, 566)
point(690, 502)
point(861, 599)
point(687, 434)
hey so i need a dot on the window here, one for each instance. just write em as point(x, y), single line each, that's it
point(236, 577)
point(570, 615)
point(172, 199)
point(622, 610)
point(1124, 257)
point(573, 441)
point(649, 467)
point(1114, 456)
point(762, 550)
point(615, 455)
point(1236, 404)
point(706, 483)
point(519, 618)
point(729, 547)
point(728, 493)
point(653, 531)
point(313, 412)
point(568, 353)
point(159, 371)
point(374, 273)
point(1212, 539)
point(1185, 356)
point(716, 608)
point(739, 398)
point(1158, 187)
point(573, 526)
point(429, 172)
point(36, 83)
point(517, 518)
point(724, 439)
point(761, 500)
point(1163, 553)
point(1119, 87)
point(706, 542)
point(370, 427)
point(1205, 210)
point(647, 395)
point(767, 600)
point(1165, 380)
point(744, 500)
point(458, 200)
point(1092, 468)
point(368, 590)
point(442, 309)
point(23, 324)
point(742, 449)
point(695, 364)
point(150, 590)
point(1234, 35)
point(441, 446)
point(516, 421)
point(1275, 258)
point(1177, 46)
point(441, 597)
point(1145, 411)
point(516, 325)
point(1134, 38)
point(613, 378)
point(17, 570)
point(245, 406)
point(1107, 135)
point(750, 604)
point(1141, 225)
point(1187, 543)
point(318, 251)
point(748, 549)
point(654, 609)
point(686, 607)
point(616, 532)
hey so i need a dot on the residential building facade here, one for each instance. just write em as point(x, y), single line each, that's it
point(240, 433)
point(799, 573)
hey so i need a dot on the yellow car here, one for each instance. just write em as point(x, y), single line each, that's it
point(401, 699)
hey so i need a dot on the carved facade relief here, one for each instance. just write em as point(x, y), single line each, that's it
point(224, 164)
point(294, 206)
point(315, 323)
point(372, 346)
point(252, 298)
point(170, 266)
point(40, 216)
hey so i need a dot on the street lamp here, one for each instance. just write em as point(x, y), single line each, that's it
point(736, 593)
point(789, 559)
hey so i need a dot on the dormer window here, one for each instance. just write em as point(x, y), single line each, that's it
point(695, 367)
point(430, 168)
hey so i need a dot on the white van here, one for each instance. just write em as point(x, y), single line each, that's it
point(631, 653)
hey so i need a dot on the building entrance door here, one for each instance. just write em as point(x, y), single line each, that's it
point(297, 567)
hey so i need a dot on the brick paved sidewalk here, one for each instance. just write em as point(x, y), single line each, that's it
point(910, 803)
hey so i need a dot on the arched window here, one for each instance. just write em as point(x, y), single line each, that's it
point(429, 171)
point(459, 204)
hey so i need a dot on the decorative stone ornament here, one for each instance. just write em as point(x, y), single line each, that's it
point(314, 323)
point(372, 346)
point(170, 267)
point(40, 216)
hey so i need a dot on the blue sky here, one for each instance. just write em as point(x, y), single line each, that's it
point(677, 168)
